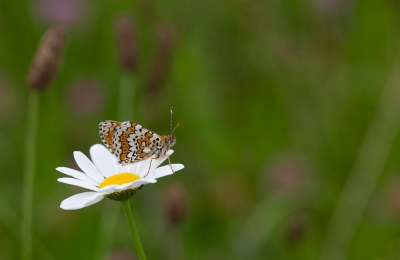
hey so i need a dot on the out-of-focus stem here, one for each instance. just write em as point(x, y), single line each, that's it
point(29, 173)
point(366, 171)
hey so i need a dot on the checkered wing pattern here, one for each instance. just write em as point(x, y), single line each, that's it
point(130, 141)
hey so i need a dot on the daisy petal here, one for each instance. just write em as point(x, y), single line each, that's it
point(114, 188)
point(133, 168)
point(138, 183)
point(103, 160)
point(81, 200)
point(166, 170)
point(78, 183)
point(143, 167)
point(77, 174)
point(88, 167)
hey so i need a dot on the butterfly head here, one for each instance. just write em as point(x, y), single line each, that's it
point(171, 140)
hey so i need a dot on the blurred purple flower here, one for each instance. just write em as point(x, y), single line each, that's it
point(289, 174)
point(86, 96)
point(67, 12)
point(122, 254)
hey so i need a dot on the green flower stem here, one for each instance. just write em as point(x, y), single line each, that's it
point(29, 173)
point(128, 213)
point(110, 214)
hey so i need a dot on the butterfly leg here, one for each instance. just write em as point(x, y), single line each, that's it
point(149, 167)
point(170, 165)
point(169, 161)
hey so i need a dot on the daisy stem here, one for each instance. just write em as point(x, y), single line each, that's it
point(29, 172)
point(128, 213)
point(125, 111)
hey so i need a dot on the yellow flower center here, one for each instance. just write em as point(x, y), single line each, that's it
point(119, 179)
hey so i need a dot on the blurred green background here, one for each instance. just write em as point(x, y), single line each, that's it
point(289, 127)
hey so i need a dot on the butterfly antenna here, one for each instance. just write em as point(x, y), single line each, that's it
point(175, 128)
point(170, 121)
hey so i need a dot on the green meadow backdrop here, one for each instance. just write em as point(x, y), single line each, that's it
point(289, 114)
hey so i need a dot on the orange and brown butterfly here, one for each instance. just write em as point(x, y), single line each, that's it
point(131, 142)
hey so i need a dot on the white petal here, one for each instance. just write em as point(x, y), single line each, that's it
point(131, 185)
point(128, 168)
point(138, 183)
point(81, 200)
point(142, 167)
point(88, 167)
point(77, 174)
point(104, 161)
point(166, 170)
point(78, 183)
point(132, 167)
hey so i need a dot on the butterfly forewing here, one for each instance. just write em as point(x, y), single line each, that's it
point(107, 129)
point(131, 142)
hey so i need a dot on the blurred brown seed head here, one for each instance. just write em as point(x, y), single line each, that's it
point(127, 44)
point(331, 8)
point(157, 74)
point(45, 64)
point(296, 229)
point(165, 40)
point(175, 204)
point(392, 197)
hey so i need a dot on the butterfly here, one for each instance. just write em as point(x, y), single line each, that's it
point(130, 142)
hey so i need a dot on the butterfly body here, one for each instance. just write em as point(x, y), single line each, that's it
point(131, 142)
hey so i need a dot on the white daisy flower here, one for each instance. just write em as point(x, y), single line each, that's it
point(107, 178)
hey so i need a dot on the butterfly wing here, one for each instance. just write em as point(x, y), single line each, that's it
point(133, 143)
point(107, 129)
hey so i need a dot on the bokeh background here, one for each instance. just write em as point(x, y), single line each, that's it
point(289, 127)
